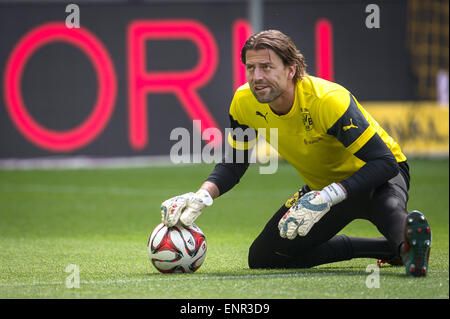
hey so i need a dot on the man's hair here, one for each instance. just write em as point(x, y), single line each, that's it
point(282, 45)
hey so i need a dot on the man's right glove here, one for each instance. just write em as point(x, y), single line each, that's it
point(185, 208)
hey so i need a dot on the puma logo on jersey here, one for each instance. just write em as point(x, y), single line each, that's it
point(347, 127)
point(262, 115)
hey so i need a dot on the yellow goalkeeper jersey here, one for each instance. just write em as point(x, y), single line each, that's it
point(321, 133)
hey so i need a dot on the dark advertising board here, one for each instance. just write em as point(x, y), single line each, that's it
point(121, 82)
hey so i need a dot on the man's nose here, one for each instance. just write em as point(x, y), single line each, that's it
point(258, 74)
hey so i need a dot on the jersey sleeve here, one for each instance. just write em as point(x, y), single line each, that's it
point(240, 136)
point(342, 118)
point(235, 162)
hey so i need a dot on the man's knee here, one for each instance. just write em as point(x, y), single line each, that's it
point(256, 258)
point(262, 256)
point(393, 204)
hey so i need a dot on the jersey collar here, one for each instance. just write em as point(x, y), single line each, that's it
point(291, 112)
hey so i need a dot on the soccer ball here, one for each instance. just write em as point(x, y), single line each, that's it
point(177, 249)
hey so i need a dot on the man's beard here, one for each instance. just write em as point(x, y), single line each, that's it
point(266, 98)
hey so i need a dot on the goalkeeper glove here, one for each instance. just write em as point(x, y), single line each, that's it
point(308, 210)
point(185, 208)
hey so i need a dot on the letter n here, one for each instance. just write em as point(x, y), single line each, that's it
point(242, 30)
point(182, 83)
point(324, 49)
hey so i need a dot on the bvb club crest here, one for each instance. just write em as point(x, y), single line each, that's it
point(307, 121)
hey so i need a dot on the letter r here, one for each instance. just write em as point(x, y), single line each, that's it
point(182, 83)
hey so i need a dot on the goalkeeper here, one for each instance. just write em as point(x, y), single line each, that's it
point(352, 168)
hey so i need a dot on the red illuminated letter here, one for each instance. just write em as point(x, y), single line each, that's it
point(242, 30)
point(84, 133)
point(182, 83)
point(324, 50)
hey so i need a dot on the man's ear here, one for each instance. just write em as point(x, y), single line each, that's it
point(292, 71)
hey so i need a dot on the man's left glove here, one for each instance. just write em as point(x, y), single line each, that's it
point(308, 210)
point(185, 208)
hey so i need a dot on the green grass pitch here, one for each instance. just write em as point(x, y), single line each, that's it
point(100, 220)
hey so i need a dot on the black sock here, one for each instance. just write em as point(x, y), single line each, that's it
point(372, 248)
point(338, 248)
point(342, 247)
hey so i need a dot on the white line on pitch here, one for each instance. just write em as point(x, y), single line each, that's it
point(76, 189)
point(125, 191)
point(178, 277)
point(166, 278)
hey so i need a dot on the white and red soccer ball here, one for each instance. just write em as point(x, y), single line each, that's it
point(177, 249)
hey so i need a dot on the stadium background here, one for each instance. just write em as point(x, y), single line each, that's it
point(174, 61)
point(127, 52)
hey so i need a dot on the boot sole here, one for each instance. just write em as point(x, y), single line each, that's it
point(418, 238)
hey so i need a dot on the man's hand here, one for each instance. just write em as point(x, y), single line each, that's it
point(185, 208)
point(309, 209)
point(301, 217)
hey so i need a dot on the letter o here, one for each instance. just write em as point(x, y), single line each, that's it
point(84, 133)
